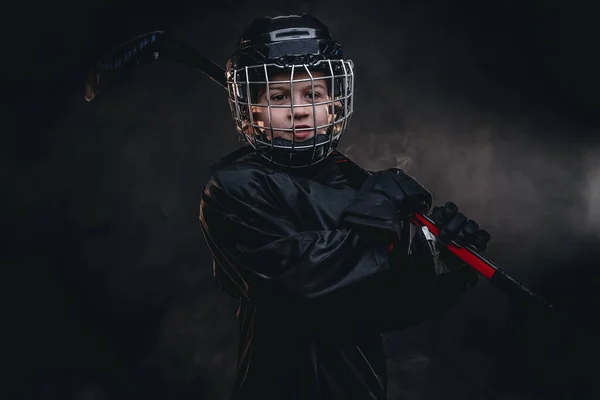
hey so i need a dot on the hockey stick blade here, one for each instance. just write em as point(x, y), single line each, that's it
point(144, 49)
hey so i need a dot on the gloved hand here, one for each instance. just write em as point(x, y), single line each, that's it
point(386, 198)
point(455, 226)
point(408, 194)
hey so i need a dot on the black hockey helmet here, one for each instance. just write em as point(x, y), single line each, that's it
point(285, 41)
point(290, 44)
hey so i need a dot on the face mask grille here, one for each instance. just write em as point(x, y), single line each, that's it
point(253, 99)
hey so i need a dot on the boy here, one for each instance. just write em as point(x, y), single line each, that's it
point(319, 254)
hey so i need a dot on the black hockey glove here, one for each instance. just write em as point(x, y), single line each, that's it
point(386, 198)
point(455, 226)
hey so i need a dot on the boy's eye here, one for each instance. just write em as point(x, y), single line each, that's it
point(278, 97)
point(313, 95)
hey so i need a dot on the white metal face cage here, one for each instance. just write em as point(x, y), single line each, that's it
point(244, 86)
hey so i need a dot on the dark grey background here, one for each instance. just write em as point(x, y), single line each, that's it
point(491, 104)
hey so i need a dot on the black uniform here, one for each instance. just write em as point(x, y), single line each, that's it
point(315, 292)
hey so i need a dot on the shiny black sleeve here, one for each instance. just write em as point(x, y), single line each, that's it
point(260, 255)
point(337, 280)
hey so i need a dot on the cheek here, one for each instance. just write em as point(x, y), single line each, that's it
point(323, 113)
point(277, 115)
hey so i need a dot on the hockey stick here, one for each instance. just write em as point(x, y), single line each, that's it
point(156, 45)
point(144, 49)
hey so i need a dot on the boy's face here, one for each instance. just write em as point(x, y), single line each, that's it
point(304, 117)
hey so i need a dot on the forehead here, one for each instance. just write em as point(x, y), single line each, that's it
point(298, 75)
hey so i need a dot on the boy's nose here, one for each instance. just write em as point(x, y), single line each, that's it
point(299, 112)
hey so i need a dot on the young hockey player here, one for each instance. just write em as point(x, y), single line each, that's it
point(320, 254)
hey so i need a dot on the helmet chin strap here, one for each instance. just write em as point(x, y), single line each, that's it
point(321, 138)
point(298, 157)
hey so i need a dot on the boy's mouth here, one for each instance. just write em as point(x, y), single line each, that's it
point(305, 132)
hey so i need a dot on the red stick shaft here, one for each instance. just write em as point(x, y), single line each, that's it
point(487, 268)
point(471, 257)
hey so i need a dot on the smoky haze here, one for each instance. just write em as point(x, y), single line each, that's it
point(591, 192)
point(514, 186)
point(115, 199)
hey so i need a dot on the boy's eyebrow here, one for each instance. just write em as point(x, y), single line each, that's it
point(286, 86)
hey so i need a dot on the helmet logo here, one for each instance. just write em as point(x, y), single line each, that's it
point(293, 34)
